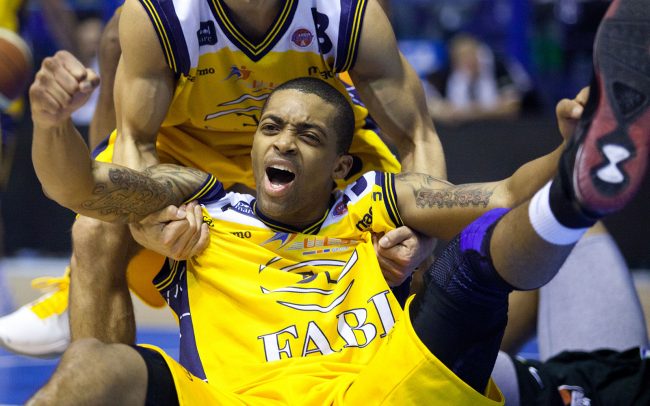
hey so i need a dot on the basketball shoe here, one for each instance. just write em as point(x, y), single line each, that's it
point(40, 328)
point(605, 160)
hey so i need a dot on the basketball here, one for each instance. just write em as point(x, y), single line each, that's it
point(15, 66)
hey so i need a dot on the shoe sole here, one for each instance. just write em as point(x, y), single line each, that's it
point(613, 144)
point(52, 350)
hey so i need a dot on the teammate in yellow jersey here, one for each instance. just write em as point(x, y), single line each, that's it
point(322, 330)
point(191, 80)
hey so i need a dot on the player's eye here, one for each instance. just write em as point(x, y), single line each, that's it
point(311, 138)
point(270, 128)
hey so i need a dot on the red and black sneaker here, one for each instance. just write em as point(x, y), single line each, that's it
point(608, 154)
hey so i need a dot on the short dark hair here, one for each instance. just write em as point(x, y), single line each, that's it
point(344, 120)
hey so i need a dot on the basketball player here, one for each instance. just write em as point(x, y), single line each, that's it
point(189, 91)
point(298, 324)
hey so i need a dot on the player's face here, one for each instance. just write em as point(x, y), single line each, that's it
point(295, 159)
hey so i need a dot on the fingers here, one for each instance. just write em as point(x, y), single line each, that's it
point(61, 85)
point(169, 213)
point(583, 95)
point(185, 237)
point(186, 245)
point(395, 237)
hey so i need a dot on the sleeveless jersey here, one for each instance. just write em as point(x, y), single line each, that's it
point(223, 77)
point(290, 298)
point(273, 315)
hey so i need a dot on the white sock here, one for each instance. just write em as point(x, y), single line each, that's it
point(546, 225)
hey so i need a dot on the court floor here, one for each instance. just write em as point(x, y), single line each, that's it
point(21, 376)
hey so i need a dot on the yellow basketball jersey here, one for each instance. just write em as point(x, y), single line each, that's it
point(223, 77)
point(295, 316)
point(295, 297)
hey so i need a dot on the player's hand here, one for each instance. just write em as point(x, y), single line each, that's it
point(62, 85)
point(399, 252)
point(569, 111)
point(176, 232)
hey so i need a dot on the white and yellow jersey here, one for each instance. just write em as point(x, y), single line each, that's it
point(224, 78)
point(311, 300)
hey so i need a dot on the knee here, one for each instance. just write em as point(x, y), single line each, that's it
point(95, 242)
point(84, 353)
point(87, 231)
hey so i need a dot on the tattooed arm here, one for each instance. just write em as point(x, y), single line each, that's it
point(101, 190)
point(439, 209)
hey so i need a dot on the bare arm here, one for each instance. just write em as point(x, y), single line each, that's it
point(144, 86)
point(103, 121)
point(393, 94)
point(439, 209)
point(62, 163)
point(106, 191)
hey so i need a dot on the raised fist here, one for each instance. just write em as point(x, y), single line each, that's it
point(62, 85)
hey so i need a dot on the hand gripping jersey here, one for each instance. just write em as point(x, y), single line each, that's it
point(267, 311)
point(223, 77)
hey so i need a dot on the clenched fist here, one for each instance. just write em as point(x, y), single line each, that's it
point(61, 86)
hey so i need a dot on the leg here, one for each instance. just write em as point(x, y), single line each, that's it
point(463, 294)
point(100, 303)
point(570, 318)
point(93, 373)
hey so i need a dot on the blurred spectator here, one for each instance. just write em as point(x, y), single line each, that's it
point(476, 85)
point(88, 33)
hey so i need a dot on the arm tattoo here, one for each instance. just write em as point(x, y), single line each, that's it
point(462, 196)
point(431, 192)
point(129, 195)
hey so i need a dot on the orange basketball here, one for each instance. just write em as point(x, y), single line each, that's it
point(15, 66)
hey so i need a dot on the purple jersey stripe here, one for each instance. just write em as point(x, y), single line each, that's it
point(172, 26)
point(177, 298)
point(352, 12)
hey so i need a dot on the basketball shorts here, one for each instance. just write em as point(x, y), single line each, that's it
point(402, 372)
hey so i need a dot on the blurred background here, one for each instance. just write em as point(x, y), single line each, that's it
point(492, 70)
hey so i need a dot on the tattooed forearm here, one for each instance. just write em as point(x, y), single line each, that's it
point(129, 195)
point(461, 196)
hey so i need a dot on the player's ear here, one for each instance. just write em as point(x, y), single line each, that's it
point(342, 166)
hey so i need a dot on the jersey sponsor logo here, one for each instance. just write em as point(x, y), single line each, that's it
point(365, 221)
point(354, 327)
point(241, 234)
point(207, 33)
point(324, 74)
point(243, 208)
point(302, 37)
point(238, 73)
point(341, 207)
point(206, 71)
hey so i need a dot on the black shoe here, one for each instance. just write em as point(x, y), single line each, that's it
point(607, 156)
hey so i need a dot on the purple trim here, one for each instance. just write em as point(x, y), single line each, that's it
point(172, 26)
point(345, 40)
point(471, 238)
point(177, 298)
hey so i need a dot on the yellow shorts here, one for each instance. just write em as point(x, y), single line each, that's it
point(402, 372)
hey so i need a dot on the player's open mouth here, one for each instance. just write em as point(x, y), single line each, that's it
point(279, 177)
